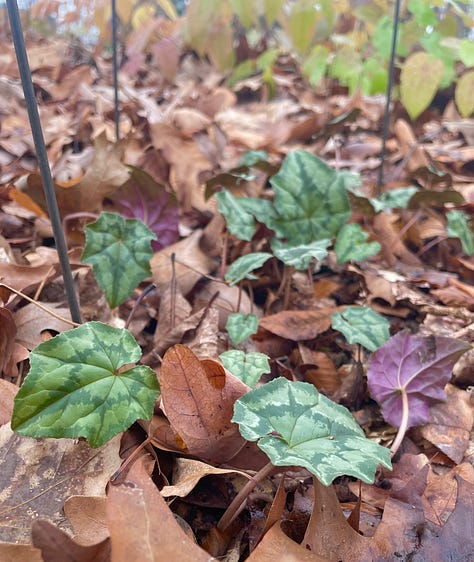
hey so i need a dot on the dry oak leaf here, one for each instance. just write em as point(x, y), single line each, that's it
point(198, 399)
point(142, 527)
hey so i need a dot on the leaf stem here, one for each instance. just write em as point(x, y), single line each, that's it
point(238, 503)
point(403, 424)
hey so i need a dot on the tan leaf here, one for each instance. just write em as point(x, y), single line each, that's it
point(199, 406)
point(31, 321)
point(88, 519)
point(7, 394)
point(298, 325)
point(142, 527)
point(7, 336)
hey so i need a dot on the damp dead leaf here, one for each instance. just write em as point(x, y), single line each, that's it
point(198, 401)
point(38, 475)
point(155, 535)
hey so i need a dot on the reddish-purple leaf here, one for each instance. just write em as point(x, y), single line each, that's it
point(421, 366)
point(141, 197)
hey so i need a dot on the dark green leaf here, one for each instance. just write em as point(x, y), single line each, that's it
point(352, 245)
point(360, 324)
point(239, 222)
point(296, 425)
point(76, 386)
point(120, 251)
point(310, 199)
point(242, 267)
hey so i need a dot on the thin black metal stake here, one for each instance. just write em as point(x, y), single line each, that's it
point(41, 154)
point(386, 118)
point(115, 70)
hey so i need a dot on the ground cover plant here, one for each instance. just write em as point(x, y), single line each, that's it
point(275, 355)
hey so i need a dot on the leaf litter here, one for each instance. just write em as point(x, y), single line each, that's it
point(172, 157)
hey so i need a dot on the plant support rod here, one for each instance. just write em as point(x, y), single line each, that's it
point(40, 147)
point(115, 70)
point(388, 96)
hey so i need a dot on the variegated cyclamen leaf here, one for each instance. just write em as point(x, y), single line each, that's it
point(301, 255)
point(310, 198)
point(397, 198)
point(458, 227)
point(351, 244)
point(241, 326)
point(361, 324)
point(239, 222)
point(243, 266)
point(78, 386)
point(420, 366)
point(248, 367)
point(120, 251)
point(296, 425)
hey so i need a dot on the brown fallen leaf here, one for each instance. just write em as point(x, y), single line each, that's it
point(19, 553)
point(38, 475)
point(142, 527)
point(87, 517)
point(57, 546)
point(188, 472)
point(7, 394)
point(31, 321)
point(275, 545)
point(8, 332)
point(199, 406)
point(451, 424)
point(299, 325)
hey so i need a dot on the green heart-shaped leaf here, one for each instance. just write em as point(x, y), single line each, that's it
point(239, 222)
point(248, 367)
point(458, 227)
point(242, 267)
point(241, 326)
point(310, 198)
point(361, 324)
point(302, 255)
point(351, 244)
point(120, 251)
point(296, 425)
point(76, 386)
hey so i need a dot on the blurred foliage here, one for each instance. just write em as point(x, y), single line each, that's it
point(342, 40)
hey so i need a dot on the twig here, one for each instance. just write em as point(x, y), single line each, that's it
point(44, 308)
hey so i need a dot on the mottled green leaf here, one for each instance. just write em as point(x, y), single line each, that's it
point(423, 13)
point(239, 222)
point(419, 80)
point(458, 227)
point(242, 267)
point(78, 386)
point(464, 94)
point(397, 198)
point(302, 255)
point(248, 367)
point(252, 157)
point(296, 425)
point(310, 199)
point(241, 326)
point(466, 52)
point(120, 251)
point(351, 244)
point(360, 324)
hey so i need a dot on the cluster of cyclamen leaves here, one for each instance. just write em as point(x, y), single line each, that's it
point(310, 208)
point(418, 366)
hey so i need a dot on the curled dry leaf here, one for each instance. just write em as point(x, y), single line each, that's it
point(198, 399)
point(299, 325)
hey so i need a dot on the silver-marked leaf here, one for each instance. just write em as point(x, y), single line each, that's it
point(361, 324)
point(78, 386)
point(120, 251)
point(296, 425)
point(301, 255)
point(310, 198)
point(248, 367)
point(421, 366)
point(351, 244)
point(458, 227)
point(243, 266)
point(241, 326)
point(397, 198)
point(239, 222)
point(252, 157)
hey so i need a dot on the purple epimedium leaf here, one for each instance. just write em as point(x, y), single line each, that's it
point(420, 367)
point(141, 197)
